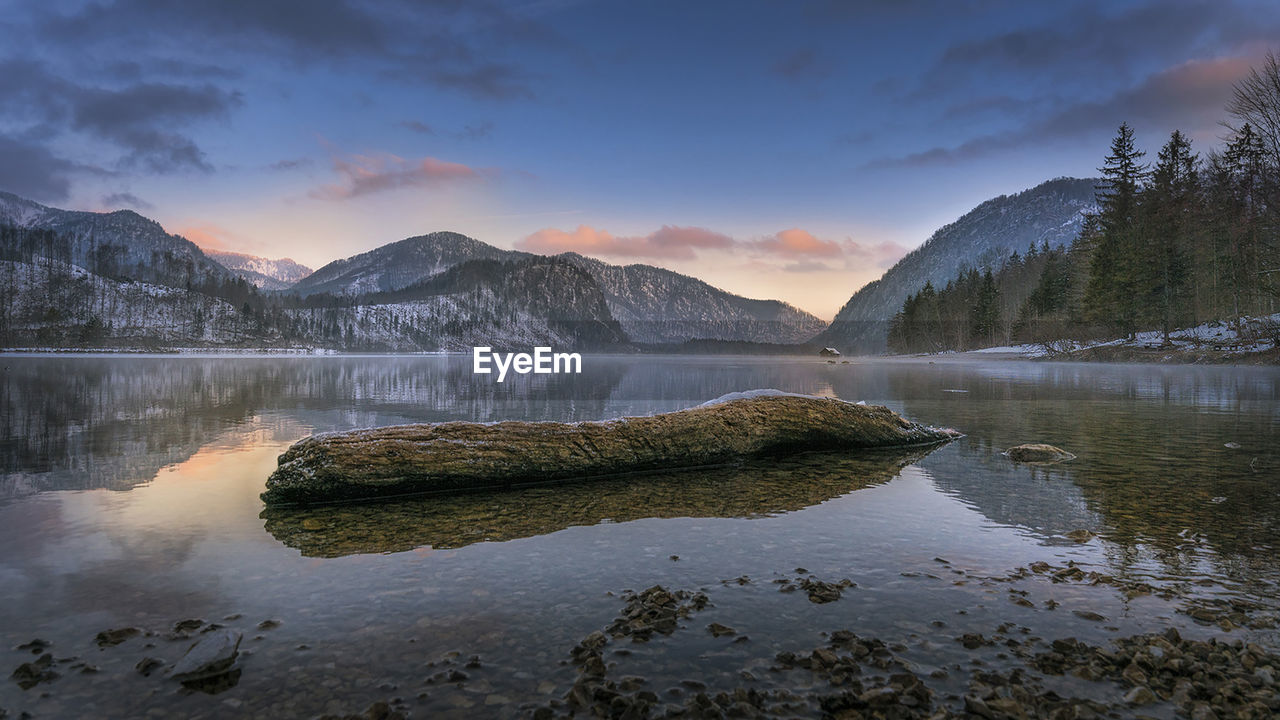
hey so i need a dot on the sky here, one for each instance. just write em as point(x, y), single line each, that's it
point(789, 150)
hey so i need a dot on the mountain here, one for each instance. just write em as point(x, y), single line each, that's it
point(399, 264)
point(116, 244)
point(512, 304)
point(118, 278)
point(652, 304)
point(655, 305)
point(266, 274)
point(1052, 212)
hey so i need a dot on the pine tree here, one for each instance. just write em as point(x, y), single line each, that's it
point(986, 310)
point(1112, 293)
point(1168, 236)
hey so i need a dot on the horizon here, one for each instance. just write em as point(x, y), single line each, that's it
point(757, 151)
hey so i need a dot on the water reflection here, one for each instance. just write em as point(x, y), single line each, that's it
point(753, 489)
point(521, 577)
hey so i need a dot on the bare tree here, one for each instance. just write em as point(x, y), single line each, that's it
point(1256, 101)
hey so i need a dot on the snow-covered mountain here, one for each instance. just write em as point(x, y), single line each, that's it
point(116, 244)
point(138, 283)
point(399, 264)
point(1051, 212)
point(262, 272)
point(655, 305)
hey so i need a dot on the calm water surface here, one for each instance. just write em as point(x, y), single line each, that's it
point(129, 498)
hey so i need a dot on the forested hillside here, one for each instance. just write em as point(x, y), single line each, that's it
point(1051, 213)
point(1174, 243)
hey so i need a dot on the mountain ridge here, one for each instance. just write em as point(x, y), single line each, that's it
point(265, 273)
point(1051, 212)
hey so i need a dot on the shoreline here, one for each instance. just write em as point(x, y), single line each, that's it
point(1107, 355)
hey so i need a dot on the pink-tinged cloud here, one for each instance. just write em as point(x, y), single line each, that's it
point(883, 255)
point(367, 174)
point(669, 242)
point(797, 243)
point(207, 235)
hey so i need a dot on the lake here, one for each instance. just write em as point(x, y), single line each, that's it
point(129, 499)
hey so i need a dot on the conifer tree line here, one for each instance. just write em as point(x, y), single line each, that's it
point(1175, 242)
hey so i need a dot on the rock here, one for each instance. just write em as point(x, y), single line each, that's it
point(148, 665)
point(213, 655)
point(1089, 615)
point(1038, 453)
point(30, 674)
point(456, 456)
point(1081, 536)
point(1139, 696)
point(36, 646)
point(111, 638)
point(828, 352)
point(717, 629)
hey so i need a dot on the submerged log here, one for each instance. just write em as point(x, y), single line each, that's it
point(458, 456)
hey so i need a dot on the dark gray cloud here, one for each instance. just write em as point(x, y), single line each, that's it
point(303, 27)
point(803, 63)
point(417, 126)
point(139, 117)
point(125, 199)
point(432, 41)
point(1090, 42)
point(1190, 97)
point(143, 119)
point(134, 71)
point(30, 170)
point(490, 80)
point(476, 131)
point(291, 164)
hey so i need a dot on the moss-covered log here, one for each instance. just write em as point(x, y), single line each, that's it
point(456, 456)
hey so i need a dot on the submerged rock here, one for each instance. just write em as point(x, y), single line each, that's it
point(1038, 453)
point(455, 456)
point(212, 656)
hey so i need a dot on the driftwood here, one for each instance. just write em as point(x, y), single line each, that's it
point(458, 456)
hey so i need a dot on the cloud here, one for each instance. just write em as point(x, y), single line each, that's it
point(31, 171)
point(797, 243)
point(1189, 96)
point(1085, 43)
point(417, 126)
point(478, 131)
point(368, 174)
point(806, 266)
point(125, 199)
point(208, 236)
point(431, 41)
point(803, 63)
point(670, 242)
point(806, 252)
point(882, 255)
point(290, 164)
point(140, 118)
point(490, 81)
